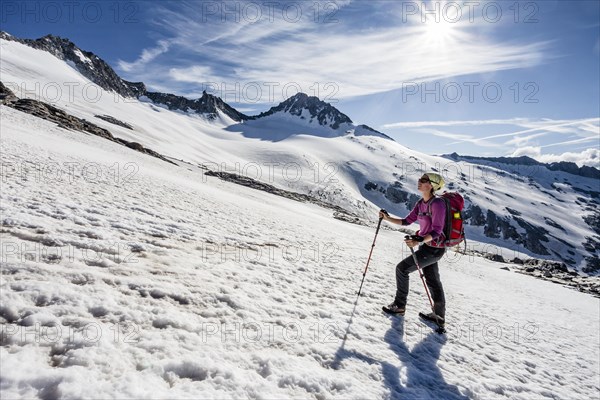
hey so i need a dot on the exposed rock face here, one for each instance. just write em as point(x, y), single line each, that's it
point(66, 121)
point(395, 194)
point(323, 112)
point(371, 186)
point(474, 215)
point(533, 238)
point(368, 128)
point(207, 105)
point(499, 227)
point(6, 95)
point(593, 220)
point(592, 265)
point(114, 121)
point(265, 187)
point(87, 63)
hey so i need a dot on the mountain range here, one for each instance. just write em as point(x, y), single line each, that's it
point(516, 207)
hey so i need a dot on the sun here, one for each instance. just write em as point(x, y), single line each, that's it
point(442, 27)
point(439, 32)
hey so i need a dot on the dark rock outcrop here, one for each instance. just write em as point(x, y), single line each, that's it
point(593, 221)
point(395, 194)
point(207, 105)
point(323, 112)
point(67, 121)
point(499, 227)
point(114, 121)
point(6, 95)
point(473, 215)
point(87, 63)
point(592, 265)
point(494, 257)
point(370, 186)
point(265, 187)
point(533, 237)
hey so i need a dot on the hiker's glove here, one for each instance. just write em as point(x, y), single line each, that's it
point(413, 240)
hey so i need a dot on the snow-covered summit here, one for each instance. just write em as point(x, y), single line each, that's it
point(312, 109)
point(304, 115)
point(87, 63)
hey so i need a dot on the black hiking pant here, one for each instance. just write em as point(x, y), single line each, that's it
point(428, 258)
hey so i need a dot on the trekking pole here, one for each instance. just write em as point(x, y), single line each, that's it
point(361, 282)
point(371, 252)
point(421, 275)
point(423, 280)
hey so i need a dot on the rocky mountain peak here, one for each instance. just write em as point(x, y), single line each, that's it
point(207, 105)
point(311, 108)
point(87, 63)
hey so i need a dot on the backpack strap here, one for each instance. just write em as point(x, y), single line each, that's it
point(428, 212)
point(418, 205)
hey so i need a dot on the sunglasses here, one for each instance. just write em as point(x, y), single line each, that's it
point(424, 180)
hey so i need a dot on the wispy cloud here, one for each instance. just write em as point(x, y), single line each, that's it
point(520, 141)
point(162, 46)
point(454, 136)
point(194, 73)
point(417, 124)
point(574, 141)
point(552, 133)
point(359, 58)
point(587, 128)
point(546, 126)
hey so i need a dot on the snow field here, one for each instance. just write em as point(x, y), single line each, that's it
point(161, 283)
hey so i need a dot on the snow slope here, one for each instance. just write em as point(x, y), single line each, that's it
point(158, 282)
point(333, 169)
point(299, 157)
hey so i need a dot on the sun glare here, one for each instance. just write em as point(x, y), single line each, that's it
point(440, 31)
point(441, 26)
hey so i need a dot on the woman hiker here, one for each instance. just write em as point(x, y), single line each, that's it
point(431, 230)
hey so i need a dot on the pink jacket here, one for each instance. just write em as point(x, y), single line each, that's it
point(428, 224)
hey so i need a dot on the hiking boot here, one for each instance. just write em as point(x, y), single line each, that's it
point(394, 309)
point(433, 318)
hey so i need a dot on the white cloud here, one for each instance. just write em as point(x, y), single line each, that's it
point(195, 73)
point(530, 151)
point(524, 140)
point(417, 124)
point(574, 141)
point(548, 126)
point(359, 61)
point(162, 46)
point(454, 136)
point(540, 134)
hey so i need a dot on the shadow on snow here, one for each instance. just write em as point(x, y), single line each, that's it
point(423, 377)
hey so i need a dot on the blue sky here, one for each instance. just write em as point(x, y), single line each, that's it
point(493, 78)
